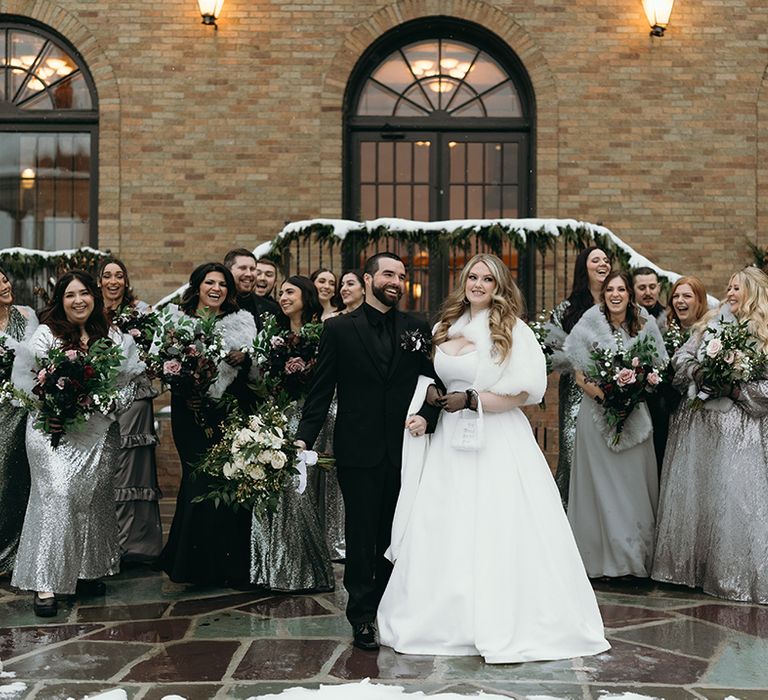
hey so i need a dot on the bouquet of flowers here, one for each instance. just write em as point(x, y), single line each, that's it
point(142, 326)
point(541, 331)
point(71, 385)
point(186, 355)
point(286, 360)
point(626, 377)
point(731, 355)
point(7, 356)
point(253, 462)
point(674, 337)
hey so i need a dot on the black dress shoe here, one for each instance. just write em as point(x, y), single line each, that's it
point(91, 587)
point(364, 636)
point(45, 607)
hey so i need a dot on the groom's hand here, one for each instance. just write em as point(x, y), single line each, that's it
point(434, 395)
point(455, 401)
point(300, 444)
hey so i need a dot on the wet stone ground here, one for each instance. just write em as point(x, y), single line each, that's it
point(153, 638)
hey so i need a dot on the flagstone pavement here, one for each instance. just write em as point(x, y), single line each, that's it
point(153, 638)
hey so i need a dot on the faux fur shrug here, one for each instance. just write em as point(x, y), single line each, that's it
point(594, 330)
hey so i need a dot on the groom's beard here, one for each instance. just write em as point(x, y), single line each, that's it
point(379, 293)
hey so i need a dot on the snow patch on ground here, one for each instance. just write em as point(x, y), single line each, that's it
point(12, 689)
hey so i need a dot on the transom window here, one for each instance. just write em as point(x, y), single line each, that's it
point(48, 139)
point(447, 76)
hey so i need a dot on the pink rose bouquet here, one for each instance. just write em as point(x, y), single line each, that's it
point(730, 356)
point(626, 378)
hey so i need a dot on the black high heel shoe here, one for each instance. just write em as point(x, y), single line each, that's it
point(45, 607)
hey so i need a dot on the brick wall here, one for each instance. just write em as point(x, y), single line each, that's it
point(213, 139)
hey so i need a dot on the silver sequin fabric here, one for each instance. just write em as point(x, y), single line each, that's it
point(14, 470)
point(334, 503)
point(289, 551)
point(70, 529)
point(712, 527)
point(569, 399)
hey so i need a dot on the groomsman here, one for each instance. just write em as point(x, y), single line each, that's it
point(266, 279)
point(647, 289)
point(362, 358)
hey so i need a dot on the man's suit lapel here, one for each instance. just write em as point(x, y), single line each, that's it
point(397, 351)
point(365, 333)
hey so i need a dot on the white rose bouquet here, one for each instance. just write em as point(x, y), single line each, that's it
point(253, 462)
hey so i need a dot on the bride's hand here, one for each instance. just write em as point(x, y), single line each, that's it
point(416, 425)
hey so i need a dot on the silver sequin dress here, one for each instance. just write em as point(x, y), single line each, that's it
point(14, 468)
point(569, 402)
point(70, 527)
point(289, 551)
point(712, 529)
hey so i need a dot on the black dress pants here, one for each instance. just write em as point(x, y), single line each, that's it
point(370, 496)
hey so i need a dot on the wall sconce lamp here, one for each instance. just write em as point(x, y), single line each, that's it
point(658, 13)
point(210, 11)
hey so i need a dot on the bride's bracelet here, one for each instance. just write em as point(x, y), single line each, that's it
point(471, 394)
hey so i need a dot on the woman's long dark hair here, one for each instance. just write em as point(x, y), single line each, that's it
point(634, 321)
point(191, 297)
point(54, 316)
point(311, 308)
point(5, 274)
point(580, 297)
point(128, 298)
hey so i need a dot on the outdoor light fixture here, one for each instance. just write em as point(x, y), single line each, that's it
point(658, 12)
point(210, 11)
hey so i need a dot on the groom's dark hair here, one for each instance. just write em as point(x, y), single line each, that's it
point(372, 264)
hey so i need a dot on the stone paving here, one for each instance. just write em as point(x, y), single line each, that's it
point(153, 638)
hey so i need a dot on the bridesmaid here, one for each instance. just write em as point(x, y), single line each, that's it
point(351, 295)
point(16, 325)
point(351, 291)
point(207, 544)
point(589, 271)
point(70, 528)
point(712, 528)
point(288, 547)
point(613, 490)
point(325, 284)
point(136, 489)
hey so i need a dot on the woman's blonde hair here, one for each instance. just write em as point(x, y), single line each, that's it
point(754, 302)
point(506, 305)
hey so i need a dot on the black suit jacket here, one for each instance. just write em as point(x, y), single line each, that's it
point(373, 400)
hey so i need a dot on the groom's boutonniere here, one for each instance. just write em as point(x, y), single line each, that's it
point(414, 341)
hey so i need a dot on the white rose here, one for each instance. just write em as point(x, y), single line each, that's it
point(256, 472)
point(278, 460)
point(254, 423)
point(228, 470)
point(714, 346)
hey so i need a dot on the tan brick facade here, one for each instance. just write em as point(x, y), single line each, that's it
point(213, 139)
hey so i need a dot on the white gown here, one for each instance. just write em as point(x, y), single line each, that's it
point(488, 564)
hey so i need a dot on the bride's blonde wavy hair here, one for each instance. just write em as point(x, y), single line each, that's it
point(506, 305)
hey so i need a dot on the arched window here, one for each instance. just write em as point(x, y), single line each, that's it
point(439, 124)
point(48, 140)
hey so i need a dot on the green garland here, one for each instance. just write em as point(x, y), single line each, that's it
point(31, 265)
point(494, 234)
point(760, 255)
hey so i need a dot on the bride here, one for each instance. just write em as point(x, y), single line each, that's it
point(484, 559)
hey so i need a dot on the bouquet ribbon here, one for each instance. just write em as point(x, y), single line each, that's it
point(307, 458)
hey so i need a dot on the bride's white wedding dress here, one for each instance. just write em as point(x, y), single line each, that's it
point(487, 563)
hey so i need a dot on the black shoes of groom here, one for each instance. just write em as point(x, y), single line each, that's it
point(364, 636)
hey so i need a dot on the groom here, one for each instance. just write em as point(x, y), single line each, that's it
point(364, 358)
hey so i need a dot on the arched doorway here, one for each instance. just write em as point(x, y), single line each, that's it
point(439, 124)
